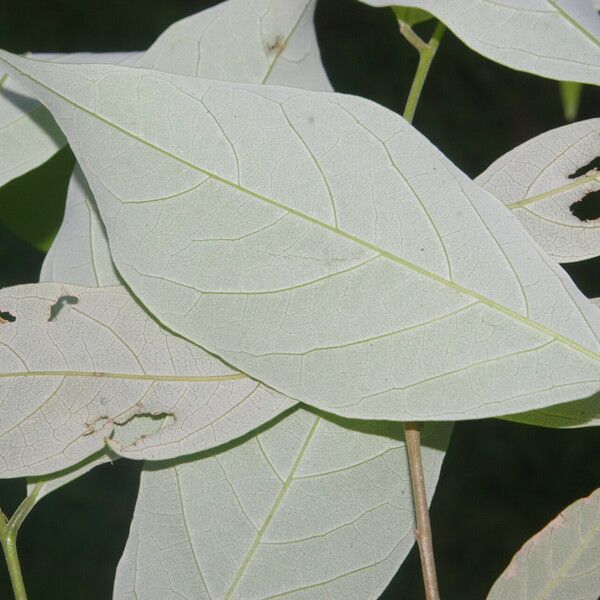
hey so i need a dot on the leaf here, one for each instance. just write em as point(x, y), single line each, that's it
point(28, 133)
point(350, 286)
point(244, 40)
point(552, 184)
point(559, 562)
point(579, 413)
point(230, 41)
point(570, 96)
point(80, 252)
point(67, 384)
point(308, 508)
point(559, 39)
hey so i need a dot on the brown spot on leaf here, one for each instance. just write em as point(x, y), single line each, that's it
point(277, 45)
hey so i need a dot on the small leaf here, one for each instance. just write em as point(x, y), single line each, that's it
point(68, 384)
point(542, 181)
point(411, 16)
point(559, 39)
point(328, 284)
point(560, 561)
point(570, 96)
point(308, 508)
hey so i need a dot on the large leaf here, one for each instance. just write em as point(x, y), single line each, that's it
point(238, 40)
point(320, 244)
point(561, 562)
point(552, 184)
point(559, 39)
point(67, 383)
point(29, 135)
point(309, 508)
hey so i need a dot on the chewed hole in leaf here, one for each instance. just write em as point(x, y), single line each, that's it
point(133, 430)
point(6, 317)
point(588, 208)
point(593, 164)
point(59, 304)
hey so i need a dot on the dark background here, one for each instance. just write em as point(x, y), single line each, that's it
point(500, 483)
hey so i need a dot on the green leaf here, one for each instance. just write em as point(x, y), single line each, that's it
point(559, 39)
point(570, 96)
point(336, 285)
point(70, 383)
point(309, 508)
point(560, 561)
point(411, 16)
point(545, 181)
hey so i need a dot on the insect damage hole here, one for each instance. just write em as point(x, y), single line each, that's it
point(59, 304)
point(594, 164)
point(6, 317)
point(588, 208)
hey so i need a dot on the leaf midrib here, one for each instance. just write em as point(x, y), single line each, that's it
point(272, 512)
point(130, 376)
point(573, 22)
point(389, 255)
point(571, 559)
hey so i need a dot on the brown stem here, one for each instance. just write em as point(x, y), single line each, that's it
point(412, 434)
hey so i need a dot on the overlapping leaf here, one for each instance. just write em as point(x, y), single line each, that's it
point(66, 384)
point(80, 253)
point(561, 561)
point(303, 237)
point(559, 39)
point(29, 135)
point(552, 184)
point(306, 509)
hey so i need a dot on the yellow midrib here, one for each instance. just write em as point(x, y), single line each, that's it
point(593, 176)
point(131, 376)
point(272, 512)
point(393, 257)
